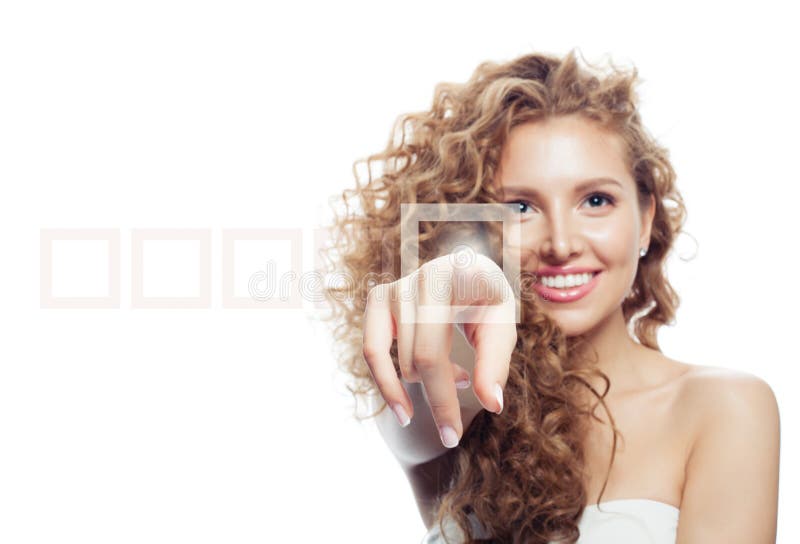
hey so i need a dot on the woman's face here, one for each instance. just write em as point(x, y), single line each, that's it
point(544, 169)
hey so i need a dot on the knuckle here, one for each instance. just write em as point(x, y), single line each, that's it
point(375, 293)
point(369, 352)
point(441, 410)
point(430, 270)
point(424, 361)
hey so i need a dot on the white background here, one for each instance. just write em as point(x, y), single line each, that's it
point(223, 425)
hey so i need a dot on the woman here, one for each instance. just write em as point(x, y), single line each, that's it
point(574, 427)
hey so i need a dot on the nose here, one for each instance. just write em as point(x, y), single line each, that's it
point(560, 241)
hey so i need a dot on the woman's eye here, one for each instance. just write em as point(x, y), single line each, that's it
point(522, 205)
point(595, 197)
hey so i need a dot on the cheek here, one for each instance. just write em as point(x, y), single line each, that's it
point(517, 239)
point(612, 241)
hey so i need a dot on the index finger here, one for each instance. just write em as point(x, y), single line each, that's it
point(433, 336)
point(494, 339)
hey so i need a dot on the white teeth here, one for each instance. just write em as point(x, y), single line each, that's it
point(570, 280)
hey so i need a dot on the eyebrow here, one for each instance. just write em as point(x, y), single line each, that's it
point(582, 186)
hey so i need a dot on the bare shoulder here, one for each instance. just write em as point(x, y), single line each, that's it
point(711, 392)
point(732, 464)
point(705, 395)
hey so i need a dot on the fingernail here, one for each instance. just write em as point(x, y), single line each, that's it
point(463, 384)
point(401, 415)
point(448, 436)
point(498, 393)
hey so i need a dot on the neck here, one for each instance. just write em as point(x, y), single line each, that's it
point(619, 356)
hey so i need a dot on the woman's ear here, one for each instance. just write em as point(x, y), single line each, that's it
point(647, 222)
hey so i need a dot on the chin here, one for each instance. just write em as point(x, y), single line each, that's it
point(572, 333)
point(579, 322)
point(574, 327)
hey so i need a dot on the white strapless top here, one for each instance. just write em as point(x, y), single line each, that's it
point(643, 521)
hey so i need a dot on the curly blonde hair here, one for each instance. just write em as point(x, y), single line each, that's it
point(519, 474)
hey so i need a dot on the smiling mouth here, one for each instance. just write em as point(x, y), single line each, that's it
point(566, 281)
point(566, 293)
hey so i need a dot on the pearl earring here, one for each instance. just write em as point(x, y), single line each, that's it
point(643, 252)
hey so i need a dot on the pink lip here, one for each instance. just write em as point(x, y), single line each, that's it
point(566, 295)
